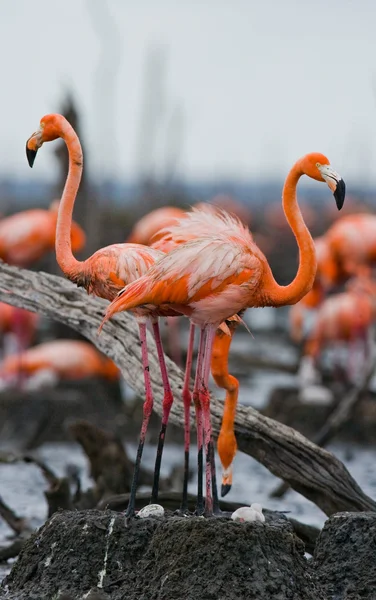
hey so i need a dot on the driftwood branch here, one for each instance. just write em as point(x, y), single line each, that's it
point(310, 470)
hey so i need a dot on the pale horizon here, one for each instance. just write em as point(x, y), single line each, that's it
point(243, 91)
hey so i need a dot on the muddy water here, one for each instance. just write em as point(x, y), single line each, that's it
point(22, 485)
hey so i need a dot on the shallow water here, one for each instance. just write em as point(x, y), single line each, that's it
point(22, 485)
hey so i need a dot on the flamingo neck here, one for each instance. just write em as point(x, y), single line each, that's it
point(290, 294)
point(70, 266)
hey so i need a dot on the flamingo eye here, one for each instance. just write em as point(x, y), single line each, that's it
point(317, 164)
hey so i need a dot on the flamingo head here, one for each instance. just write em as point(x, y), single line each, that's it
point(47, 132)
point(317, 166)
point(227, 447)
point(226, 481)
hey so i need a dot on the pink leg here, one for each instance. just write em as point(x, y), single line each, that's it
point(147, 410)
point(166, 407)
point(187, 400)
point(199, 421)
point(205, 404)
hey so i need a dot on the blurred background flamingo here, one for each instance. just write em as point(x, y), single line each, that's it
point(58, 360)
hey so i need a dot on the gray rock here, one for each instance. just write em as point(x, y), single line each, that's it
point(171, 558)
point(345, 556)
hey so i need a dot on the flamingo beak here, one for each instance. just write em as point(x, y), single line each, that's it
point(226, 481)
point(32, 146)
point(340, 193)
point(335, 184)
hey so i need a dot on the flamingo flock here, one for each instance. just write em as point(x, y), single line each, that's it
point(202, 264)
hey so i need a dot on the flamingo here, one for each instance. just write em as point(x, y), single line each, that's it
point(345, 317)
point(347, 249)
point(351, 243)
point(19, 323)
point(104, 274)
point(212, 278)
point(147, 230)
point(203, 220)
point(65, 359)
point(26, 236)
point(164, 229)
point(315, 296)
point(9, 323)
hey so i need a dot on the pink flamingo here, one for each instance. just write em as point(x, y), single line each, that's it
point(211, 279)
point(105, 273)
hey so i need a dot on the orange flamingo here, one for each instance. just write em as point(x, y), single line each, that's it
point(105, 273)
point(347, 249)
point(345, 317)
point(314, 297)
point(146, 230)
point(204, 220)
point(164, 229)
point(210, 279)
point(19, 323)
point(26, 236)
point(67, 359)
point(351, 243)
point(8, 325)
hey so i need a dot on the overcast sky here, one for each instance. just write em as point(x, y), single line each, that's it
point(247, 86)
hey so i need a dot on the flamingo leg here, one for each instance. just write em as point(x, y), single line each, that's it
point(166, 407)
point(204, 397)
point(187, 400)
point(147, 410)
point(199, 422)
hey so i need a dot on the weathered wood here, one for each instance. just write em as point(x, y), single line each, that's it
point(110, 466)
point(310, 470)
point(18, 524)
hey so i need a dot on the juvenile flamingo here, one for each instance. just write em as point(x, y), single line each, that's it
point(66, 359)
point(104, 274)
point(211, 279)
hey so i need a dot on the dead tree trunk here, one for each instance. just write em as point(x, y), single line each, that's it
point(310, 470)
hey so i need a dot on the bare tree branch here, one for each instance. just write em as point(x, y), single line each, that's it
point(312, 471)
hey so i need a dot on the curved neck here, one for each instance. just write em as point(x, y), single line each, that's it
point(64, 256)
point(279, 295)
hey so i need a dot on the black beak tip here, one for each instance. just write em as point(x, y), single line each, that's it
point(340, 193)
point(31, 154)
point(225, 488)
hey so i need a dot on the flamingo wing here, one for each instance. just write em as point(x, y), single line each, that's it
point(200, 269)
